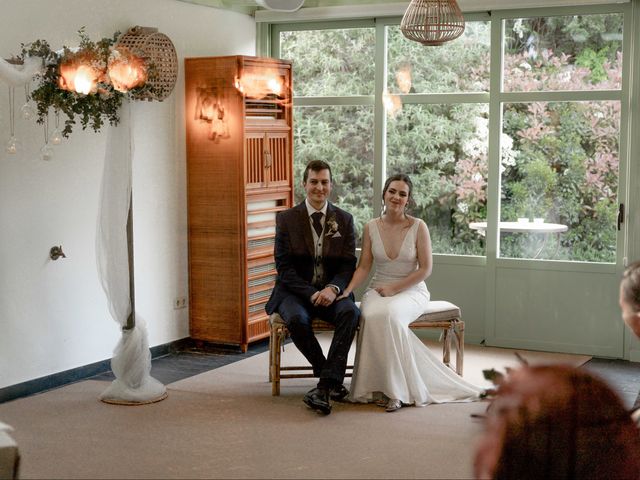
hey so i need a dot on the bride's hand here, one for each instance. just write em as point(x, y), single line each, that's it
point(385, 291)
point(344, 294)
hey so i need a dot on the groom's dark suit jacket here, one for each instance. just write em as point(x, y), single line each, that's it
point(295, 253)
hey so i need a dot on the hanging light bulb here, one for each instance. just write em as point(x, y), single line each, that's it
point(56, 135)
point(13, 145)
point(28, 111)
point(46, 152)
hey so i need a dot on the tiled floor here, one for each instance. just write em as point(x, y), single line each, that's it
point(192, 361)
point(623, 376)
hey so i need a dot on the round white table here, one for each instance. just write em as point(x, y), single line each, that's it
point(524, 227)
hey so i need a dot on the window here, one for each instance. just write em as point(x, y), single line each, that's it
point(333, 113)
point(561, 164)
point(556, 144)
point(438, 135)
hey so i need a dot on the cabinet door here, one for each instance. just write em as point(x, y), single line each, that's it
point(267, 159)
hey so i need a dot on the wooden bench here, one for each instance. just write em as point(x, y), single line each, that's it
point(440, 315)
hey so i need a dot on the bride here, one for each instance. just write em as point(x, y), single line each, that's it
point(393, 367)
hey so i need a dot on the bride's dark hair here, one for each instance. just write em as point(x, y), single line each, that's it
point(398, 177)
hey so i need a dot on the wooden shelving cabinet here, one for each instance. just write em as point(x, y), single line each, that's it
point(239, 175)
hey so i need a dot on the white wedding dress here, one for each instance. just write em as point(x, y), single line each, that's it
point(390, 358)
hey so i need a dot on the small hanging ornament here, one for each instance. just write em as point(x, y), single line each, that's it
point(56, 135)
point(432, 22)
point(13, 144)
point(46, 152)
point(28, 110)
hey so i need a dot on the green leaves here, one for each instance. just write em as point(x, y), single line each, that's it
point(93, 110)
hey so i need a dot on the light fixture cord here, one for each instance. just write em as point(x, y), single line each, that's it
point(46, 128)
point(12, 123)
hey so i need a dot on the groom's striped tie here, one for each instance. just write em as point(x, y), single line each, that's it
point(317, 224)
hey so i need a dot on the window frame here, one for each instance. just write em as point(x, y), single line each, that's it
point(495, 98)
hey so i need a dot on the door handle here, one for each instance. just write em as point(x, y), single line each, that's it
point(620, 215)
point(267, 151)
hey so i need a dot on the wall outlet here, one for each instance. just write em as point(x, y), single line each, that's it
point(179, 302)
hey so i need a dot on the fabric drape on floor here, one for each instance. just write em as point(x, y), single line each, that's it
point(131, 363)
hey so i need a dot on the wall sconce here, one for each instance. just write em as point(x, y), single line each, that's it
point(260, 85)
point(210, 109)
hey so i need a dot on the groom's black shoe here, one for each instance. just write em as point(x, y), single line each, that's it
point(318, 399)
point(338, 393)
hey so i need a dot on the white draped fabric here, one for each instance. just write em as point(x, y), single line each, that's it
point(16, 75)
point(131, 363)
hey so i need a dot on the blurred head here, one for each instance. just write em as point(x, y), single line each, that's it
point(630, 297)
point(316, 181)
point(555, 421)
point(396, 194)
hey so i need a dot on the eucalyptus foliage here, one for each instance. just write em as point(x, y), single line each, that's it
point(90, 110)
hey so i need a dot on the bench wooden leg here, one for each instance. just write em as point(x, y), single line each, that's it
point(275, 346)
point(459, 333)
point(270, 354)
point(446, 347)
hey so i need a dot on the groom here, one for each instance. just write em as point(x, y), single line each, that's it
point(315, 259)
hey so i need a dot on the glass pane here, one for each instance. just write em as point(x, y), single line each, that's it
point(458, 66)
point(321, 133)
point(560, 180)
point(443, 148)
point(331, 62)
point(577, 52)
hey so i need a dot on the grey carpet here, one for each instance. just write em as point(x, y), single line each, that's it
point(225, 424)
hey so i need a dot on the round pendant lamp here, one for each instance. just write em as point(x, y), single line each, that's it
point(432, 22)
point(281, 5)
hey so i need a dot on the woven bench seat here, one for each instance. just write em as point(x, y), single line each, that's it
point(440, 315)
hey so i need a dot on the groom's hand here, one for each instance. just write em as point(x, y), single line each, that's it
point(324, 297)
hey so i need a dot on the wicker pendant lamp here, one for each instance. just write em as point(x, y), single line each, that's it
point(432, 22)
point(158, 50)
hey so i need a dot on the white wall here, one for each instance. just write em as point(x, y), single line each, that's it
point(53, 315)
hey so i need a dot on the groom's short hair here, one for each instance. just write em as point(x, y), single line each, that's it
point(316, 166)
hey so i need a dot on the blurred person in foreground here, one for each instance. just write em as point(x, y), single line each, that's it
point(559, 422)
point(630, 297)
point(630, 306)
